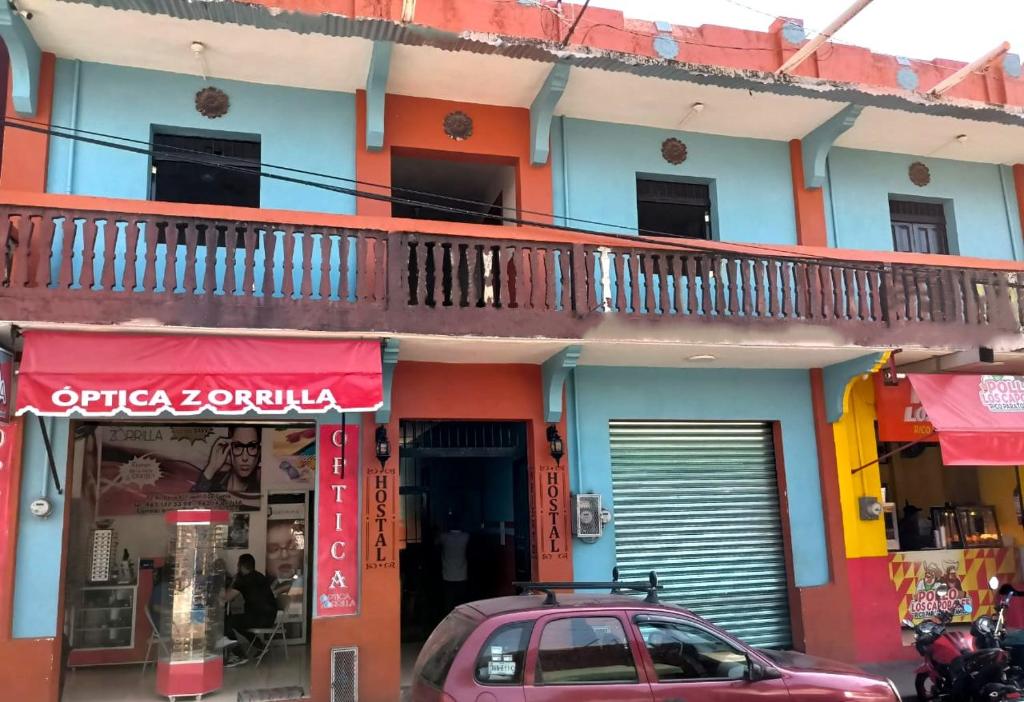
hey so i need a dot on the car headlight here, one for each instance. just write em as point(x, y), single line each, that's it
point(895, 692)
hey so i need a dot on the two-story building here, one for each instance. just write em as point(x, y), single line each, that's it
point(486, 256)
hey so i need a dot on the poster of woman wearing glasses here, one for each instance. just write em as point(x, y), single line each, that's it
point(154, 469)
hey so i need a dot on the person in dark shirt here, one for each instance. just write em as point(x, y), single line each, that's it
point(260, 604)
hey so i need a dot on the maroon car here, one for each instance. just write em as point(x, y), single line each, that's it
point(596, 648)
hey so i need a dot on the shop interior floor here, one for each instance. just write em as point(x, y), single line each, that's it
point(127, 683)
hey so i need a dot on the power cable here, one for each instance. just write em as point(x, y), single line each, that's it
point(233, 165)
point(207, 158)
point(237, 165)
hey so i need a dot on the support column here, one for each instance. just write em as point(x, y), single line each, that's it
point(25, 153)
point(808, 204)
point(826, 612)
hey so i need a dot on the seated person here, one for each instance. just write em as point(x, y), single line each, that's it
point(260, 605)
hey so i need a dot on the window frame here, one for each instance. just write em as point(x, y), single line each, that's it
point(535, 676)
point(155, 156)
point(525, 637)
point(637, 619)
point(711, 184)
point(947, 222)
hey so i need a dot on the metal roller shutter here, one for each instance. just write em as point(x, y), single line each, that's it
point(699, 503)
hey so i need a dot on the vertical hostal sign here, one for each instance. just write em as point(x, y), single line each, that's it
point(337, 579)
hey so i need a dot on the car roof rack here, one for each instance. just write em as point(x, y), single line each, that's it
point(615, 587)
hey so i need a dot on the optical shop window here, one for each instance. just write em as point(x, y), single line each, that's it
point(127, 477)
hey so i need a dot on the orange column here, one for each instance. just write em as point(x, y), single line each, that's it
point(375, 630)
point(371, 166)
point(809, 203)
point(25, 153)
point(825, 617)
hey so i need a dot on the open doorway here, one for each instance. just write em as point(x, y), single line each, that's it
point(453, 190)
point(465, 478)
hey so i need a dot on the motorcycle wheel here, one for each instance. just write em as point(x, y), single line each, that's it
point(925, 688)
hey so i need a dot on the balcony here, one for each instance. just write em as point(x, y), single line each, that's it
point(67, 259)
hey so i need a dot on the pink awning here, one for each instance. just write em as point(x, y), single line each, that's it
point(139, 375)
point(979, 418)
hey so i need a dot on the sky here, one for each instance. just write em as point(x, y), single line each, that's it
point(922, 29)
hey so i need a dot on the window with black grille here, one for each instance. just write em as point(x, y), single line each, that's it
point(918, 227)
point(205, 170)
point(673, 208)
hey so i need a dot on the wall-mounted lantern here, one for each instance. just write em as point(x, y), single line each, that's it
point(555, 445)
point(382, 445)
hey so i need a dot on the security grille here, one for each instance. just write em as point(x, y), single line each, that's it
point(699, 503)
point(344, 674)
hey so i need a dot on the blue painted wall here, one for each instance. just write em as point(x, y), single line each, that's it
point(984, 222)
point(309, 129)
point(595, 165)
point(605, 393)
point(38, 555)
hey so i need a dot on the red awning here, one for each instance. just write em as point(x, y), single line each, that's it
point(979, 418)
point(138, 375)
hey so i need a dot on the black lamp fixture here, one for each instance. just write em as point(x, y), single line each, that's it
point(383, 445)
point(555, 444)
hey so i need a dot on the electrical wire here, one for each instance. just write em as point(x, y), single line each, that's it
point(237, 165)
point(206, 158)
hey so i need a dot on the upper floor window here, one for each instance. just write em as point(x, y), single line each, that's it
point(675, 208)
point(918, 227)
point(205, 170)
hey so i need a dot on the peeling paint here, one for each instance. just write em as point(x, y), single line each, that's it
point(578, 56)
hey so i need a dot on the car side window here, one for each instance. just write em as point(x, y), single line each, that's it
point(680, 651)
point(501, 659)
point(584, 650)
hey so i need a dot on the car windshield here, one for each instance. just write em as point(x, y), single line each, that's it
point(439, 652)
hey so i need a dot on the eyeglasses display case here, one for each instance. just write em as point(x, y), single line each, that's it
point(191, 611)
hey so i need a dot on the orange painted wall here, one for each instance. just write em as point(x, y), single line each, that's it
point(23, 165)
point(811, 229)
point(29, 669)
point(431, 391)
point(414, 124)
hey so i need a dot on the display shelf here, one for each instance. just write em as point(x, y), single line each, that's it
point(104, 618)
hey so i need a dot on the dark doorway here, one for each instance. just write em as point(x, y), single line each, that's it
point(204, 170)
point(475, 192)
point(468, 477)
point(673, 208)
point(918, 227)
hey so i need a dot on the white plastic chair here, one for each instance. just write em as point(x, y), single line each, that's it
point(155, 639)
point(266, 635)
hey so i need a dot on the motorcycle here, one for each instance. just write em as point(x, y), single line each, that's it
point(991, 632)
point(955, 668)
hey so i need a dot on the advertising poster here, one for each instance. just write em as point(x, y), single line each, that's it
point(901, 416)
point(337, 580)
point(154, 469)
point(238, 531)
point(290, 456)
point(964, 573)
